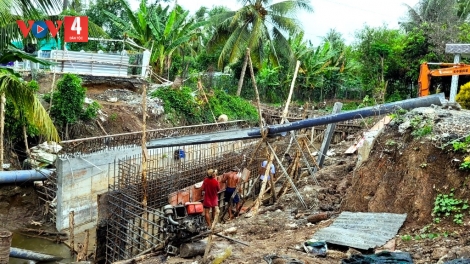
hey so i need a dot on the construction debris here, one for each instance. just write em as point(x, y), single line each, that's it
point(382, 257)
point(189, 250)
point(315, 218)
point(361, 230)
point(43, 155)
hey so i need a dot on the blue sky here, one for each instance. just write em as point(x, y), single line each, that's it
point(345, 16)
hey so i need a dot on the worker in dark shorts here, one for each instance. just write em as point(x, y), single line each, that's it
point(210, 187)
point(231, 178)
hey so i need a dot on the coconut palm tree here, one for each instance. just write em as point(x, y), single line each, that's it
point(260, 25)
point(433, 11)
point(11, 86)
point(14, 89)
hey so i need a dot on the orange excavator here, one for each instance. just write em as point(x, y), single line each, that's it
point(424, 80)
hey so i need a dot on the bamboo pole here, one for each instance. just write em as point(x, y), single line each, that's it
point(71, 233)
point(85, 246)
point(273, 189)
point(258, 200)
point(209, 238)
point(273, 151)
point(291, 171)
point(291, 90)
point(201, 89)
point(144, 164)
point(52, 87)
point(253, 80)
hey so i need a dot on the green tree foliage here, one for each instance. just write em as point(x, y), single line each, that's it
point(207, 60)
point(96, 14)
point(234, 107)
point(440, 20)
point(463, 8)
point(258, 24)
point(181, 103)
point(156, 28)
point(326, 71)
point(186, 106)
point(463, 97)
point(379, 52)
point(68, 102)
point(15, 118)
point(21, 95)
point(344, 73)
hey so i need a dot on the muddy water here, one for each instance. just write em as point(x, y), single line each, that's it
point(41, 246)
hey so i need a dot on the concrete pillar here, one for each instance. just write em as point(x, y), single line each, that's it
point(330, 129)
point(145, 64)
point(455, 81)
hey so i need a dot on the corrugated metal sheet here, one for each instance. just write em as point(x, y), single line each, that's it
point(90, 63)
point(361, 230)
point(458, 48)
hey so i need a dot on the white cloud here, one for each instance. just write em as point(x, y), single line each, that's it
point(345, 16)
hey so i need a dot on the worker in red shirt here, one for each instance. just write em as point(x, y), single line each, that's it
point(210, 187)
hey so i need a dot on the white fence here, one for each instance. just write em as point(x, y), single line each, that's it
point(86, 63)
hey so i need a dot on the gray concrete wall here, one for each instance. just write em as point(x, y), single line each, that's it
point(80, 180)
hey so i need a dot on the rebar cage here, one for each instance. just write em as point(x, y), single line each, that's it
point(133, 227)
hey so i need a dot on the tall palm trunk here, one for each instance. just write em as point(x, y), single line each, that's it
point(2, 127)
point(242, 75)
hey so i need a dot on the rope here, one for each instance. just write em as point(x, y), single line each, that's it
point(264, 133)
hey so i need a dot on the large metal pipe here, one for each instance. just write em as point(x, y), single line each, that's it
point(32, 255)
point(281, 130)
point(436, 99)
point(24, 175)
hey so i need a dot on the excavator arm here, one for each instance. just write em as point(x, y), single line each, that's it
point(424, 80)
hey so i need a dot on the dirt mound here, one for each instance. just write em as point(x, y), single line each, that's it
point(404, 173)
point(18, 206)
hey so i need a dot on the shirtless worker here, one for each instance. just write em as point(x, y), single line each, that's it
point(211, 189)
point(232, 179)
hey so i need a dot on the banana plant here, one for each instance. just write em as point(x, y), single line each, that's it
point(159, 30)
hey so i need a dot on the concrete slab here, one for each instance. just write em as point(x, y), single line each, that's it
point(458, 48)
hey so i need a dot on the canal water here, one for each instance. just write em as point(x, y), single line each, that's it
point(41, 246)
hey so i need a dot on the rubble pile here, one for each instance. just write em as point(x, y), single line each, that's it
point(154, 105)
point(43, 155)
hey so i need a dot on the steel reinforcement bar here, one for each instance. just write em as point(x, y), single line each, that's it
point(80, 146)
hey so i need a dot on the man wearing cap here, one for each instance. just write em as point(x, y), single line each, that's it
point(211, 189)
point(232, 179)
